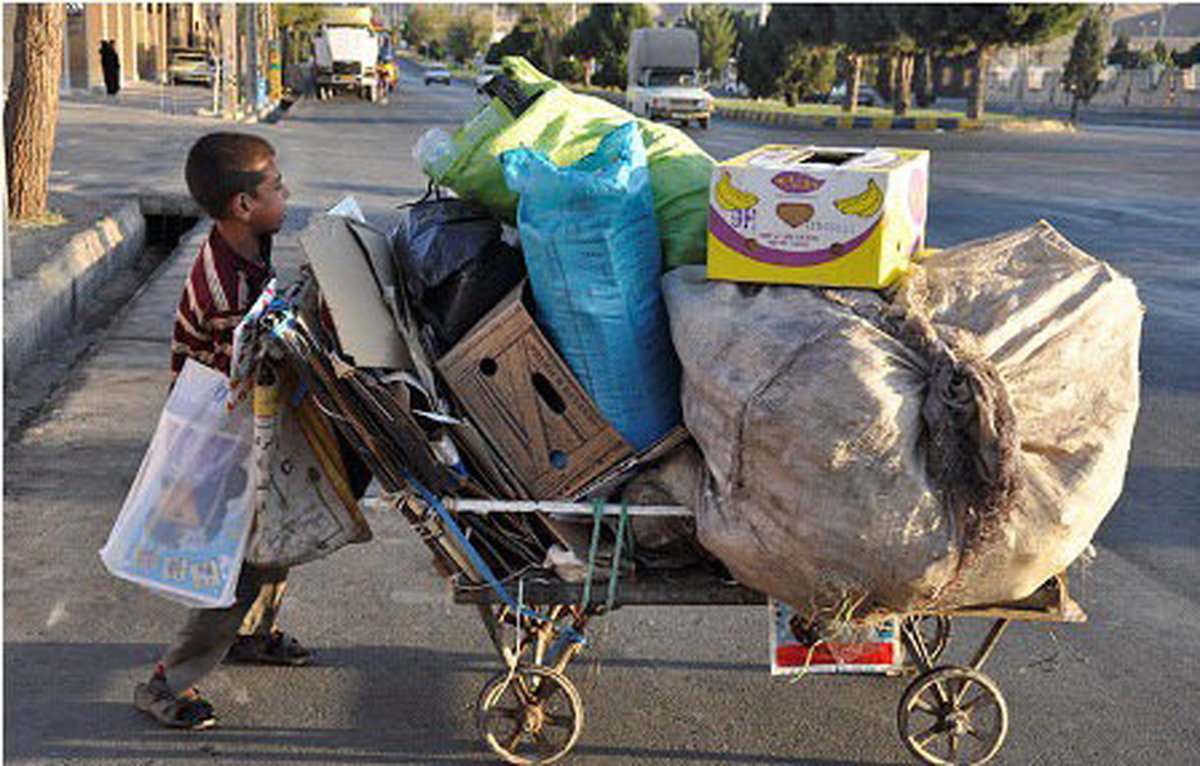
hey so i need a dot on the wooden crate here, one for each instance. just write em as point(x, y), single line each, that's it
point(524, 398)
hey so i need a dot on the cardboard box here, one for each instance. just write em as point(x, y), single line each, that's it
point(804, 215)
point(873, 649)
point(352, 267)
point(524, 398)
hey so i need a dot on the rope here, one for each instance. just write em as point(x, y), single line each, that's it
point(615, 571)
point(597, 517)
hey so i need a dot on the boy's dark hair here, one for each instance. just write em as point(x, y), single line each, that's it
point(218, 169)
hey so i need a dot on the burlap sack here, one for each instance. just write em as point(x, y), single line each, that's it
point(954, 444)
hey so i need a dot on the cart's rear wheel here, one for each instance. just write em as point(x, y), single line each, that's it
point(533, 715)
point(953, 715)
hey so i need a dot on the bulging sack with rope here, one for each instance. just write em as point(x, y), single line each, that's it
point(954, 445)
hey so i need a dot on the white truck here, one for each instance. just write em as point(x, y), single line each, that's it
point(664, 76)
point(347, 52)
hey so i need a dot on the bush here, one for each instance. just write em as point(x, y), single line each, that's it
point(568, 70)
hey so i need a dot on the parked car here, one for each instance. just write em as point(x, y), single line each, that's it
point(191, 65)
point(485, 73)
point(867, 96)
point(437, 73)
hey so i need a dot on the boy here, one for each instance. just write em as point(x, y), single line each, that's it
point(234, 178)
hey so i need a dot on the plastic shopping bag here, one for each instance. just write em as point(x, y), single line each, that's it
point(183, 528)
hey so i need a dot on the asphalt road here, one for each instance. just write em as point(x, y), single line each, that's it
point(400, 666)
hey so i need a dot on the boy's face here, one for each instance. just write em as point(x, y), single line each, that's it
point(265, 210)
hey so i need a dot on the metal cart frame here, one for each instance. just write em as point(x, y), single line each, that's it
point(531, 713)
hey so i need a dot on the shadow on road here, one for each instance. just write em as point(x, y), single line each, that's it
point(66, 701)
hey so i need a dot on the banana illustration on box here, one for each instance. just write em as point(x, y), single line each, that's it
point(863, 205)
point(732, 198)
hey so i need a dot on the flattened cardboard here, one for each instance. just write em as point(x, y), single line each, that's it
point(364, 325)
point(522, 395)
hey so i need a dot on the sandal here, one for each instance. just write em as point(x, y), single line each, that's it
point(185, 711)
point(278, 648)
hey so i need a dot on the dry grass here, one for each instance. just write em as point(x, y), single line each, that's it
point(43, 221)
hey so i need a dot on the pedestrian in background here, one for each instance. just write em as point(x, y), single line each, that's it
point(110, 64)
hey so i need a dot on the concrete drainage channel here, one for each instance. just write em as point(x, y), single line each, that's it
point(55, 314)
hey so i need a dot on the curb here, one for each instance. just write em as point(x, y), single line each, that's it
point(852, 122)
point(43, 307)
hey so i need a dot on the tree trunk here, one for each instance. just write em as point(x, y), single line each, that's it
point(979, 86)
point(924, 78)
point(850, 99)
point(31, 111)
point(902, 89)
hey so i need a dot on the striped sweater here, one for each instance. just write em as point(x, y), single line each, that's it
point(221, 288)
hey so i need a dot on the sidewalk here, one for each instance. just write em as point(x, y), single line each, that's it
point(65, 282)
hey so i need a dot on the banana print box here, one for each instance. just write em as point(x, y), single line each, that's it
point(817, 216)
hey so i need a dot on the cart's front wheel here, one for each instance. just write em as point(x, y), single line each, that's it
point(953, 715)
point(532, 715)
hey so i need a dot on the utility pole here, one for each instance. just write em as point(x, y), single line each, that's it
point(229, 57)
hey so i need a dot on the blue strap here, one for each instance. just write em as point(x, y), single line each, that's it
point(477, 561)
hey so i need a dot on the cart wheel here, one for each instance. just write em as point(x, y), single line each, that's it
point(533, 715)
point(934, 632)
point(953, 715)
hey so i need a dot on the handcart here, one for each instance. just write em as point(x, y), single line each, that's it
point(491, 549)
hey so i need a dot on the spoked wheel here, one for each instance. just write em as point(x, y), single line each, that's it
point(933, 631)
point(953, 715)
point(533, 715)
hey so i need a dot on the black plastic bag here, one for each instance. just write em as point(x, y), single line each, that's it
point(456, 264)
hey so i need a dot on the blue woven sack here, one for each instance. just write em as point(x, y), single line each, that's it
point(591, 248)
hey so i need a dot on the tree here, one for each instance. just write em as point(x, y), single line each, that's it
point(298, 21)
point(31, 109)
point(1160, 53)
point(426, 24)
point(987, 27)
point(1119, 55)
point(521, 40)
point(718, 36)
point(553, 23)
point(1081, 76)
point(862, 30)
point(755, 55)
point(468, 34)
point(603, 36)
point(795, 50)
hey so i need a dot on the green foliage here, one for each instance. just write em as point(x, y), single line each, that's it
point(807, 72)
point(299, 17)
point(755, 56)
point(568, 70)
point(298, 22)
point(468, 34)
point(986, 27)
point(1188, 58)
point(1160, 53)
point(1119, 55)
point(426, 23)
point(603, 36)
point(522, 40)
point(718, 35)
point(989, 26)
point(1081, 75)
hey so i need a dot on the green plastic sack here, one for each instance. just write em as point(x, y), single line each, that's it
point(568, 126)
